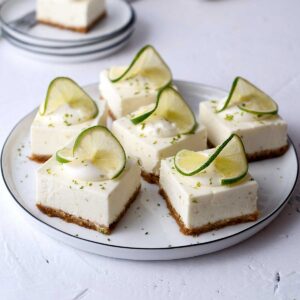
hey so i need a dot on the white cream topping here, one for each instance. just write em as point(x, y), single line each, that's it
point(84, 170)
point(65, 115)
point(158, 127)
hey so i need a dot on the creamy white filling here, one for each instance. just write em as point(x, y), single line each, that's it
point(101, 202)
point(198, 206)
point(134, 86)
point(72, 13)
point(234, 113)
point(126, 96)
point(84, 170)
point(257, 133)
point(65, 115)
point(207, 177)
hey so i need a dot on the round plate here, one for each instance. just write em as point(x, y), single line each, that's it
point(64, 57)
point(147, 231)
point(61, 51)
point(74, 49)
point(120, 16)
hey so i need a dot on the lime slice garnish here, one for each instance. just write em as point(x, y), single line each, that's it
point(172, 107)
point(229, 160)
point(100, 147)
point(249, 98)
point(147, 63)
point(64, 155)
point(63, 90)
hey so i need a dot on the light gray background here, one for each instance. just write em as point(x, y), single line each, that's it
point(204, 41)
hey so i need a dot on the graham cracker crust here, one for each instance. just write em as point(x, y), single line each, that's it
point(52, 212)
point(207, 227)
point(77, 29)
point(39, 158)
point(150, 177)
point(264, 154)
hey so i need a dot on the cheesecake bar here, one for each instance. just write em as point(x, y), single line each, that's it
point(199, 203)
point(70, 192)
point(263, 137)
point(47, 136)
point(151, 142)
point(75, 15)
point(264, 134)
point(69, 111)
point(126, 96)
point(127, 88)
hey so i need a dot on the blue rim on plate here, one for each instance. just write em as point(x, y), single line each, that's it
point(143, 248)
point(104, 37)
point(13, 42)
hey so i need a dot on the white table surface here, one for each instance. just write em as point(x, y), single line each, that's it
point(204, 41)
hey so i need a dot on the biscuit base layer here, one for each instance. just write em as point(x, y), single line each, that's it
point(39, 158)
point(209, 226)
point(260, 155)
point(150, 177)
point(73, 28)
point(53, 212)
point(265, 154)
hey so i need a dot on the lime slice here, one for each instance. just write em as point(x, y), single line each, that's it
point(64, 155)
point(63, 90)
point(229, 160)
point(231, 163)
point(100, 147)
point(172, 107)
point(249, 98)
point(146, 63)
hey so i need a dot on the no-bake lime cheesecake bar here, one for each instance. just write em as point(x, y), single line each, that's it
point(159, 130)
point(66, 111)
point(90, 182)
point(128, 88)
point(250, 113)
point(75, 15)
point(209, 189)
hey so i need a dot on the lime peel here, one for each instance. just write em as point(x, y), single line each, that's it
point(167, 99)
point(64, 90)
point(219, 160)
point(249, 98)
point(98, 145)
point(148, 63)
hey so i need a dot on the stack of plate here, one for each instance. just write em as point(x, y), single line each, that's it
point(19, 27)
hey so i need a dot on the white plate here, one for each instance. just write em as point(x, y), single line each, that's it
point(79, 50)
point(120, 16)
point(147, 232)
point(67, 58)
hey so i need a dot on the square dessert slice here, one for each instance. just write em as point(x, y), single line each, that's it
point(53, 130)
point(169, 128)
point(90, 193)
point(264, 134)
point(128, 88)
point(200, 203)
point(74, 15)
